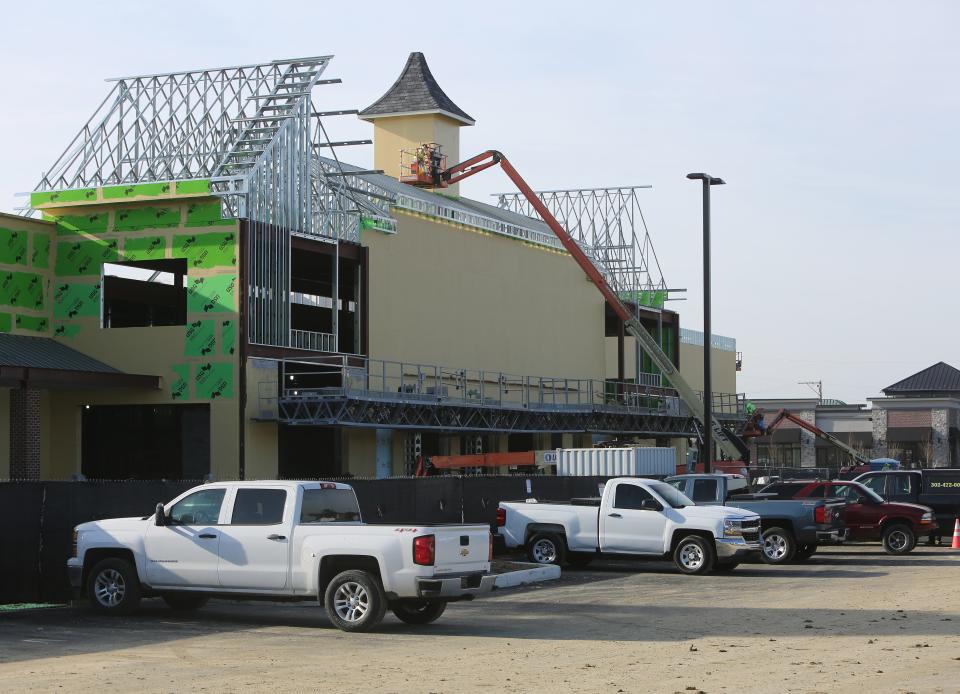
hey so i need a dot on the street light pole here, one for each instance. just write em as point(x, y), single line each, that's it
point(707, 451)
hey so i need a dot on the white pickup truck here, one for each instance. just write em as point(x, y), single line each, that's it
point(637, 517)
point(282, 541)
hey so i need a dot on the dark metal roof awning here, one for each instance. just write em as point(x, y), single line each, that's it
point(42, 362)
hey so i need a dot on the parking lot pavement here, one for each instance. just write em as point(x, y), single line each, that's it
point(850, 619)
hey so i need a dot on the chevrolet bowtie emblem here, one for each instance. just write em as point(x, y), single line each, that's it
point(464, 552)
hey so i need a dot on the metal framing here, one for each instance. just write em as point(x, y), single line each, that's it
point(607, 223)
point(255, 132)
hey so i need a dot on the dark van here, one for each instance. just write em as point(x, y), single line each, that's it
point(938, 488)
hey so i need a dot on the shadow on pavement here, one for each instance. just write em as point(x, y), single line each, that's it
point(75, 631)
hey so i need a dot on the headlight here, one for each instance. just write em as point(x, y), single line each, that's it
point(732, 528)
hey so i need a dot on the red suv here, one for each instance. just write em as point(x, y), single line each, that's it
point(869, 517)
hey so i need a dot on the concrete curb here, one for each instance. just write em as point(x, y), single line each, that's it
point(523, 577)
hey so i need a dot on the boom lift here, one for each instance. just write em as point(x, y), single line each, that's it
point(728, 442)
point(783, 415)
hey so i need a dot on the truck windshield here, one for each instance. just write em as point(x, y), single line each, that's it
point(671, 495)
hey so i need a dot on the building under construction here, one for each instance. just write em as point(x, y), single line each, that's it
point(202, 284)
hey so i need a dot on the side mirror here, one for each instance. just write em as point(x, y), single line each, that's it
point(160, 516)
point(650, 505)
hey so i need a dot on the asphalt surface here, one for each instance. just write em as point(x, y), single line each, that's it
point(849, 619)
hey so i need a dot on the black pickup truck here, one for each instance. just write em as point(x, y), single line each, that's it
point(938, 488)
point(790, 530)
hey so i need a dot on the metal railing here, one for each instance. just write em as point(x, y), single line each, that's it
point(339, 376)
point(318, 342)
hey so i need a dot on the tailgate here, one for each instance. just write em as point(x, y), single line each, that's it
point(461, 548)
point(835, 514)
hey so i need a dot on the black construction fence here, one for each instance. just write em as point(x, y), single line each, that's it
point(38, 517)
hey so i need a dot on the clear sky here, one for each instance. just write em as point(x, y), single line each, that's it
point(834, 124)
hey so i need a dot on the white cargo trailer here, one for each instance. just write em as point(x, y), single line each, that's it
point(616, 462)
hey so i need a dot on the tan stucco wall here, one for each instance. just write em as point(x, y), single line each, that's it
point(443, 294)
point(723, 364)
point(360, 452)
point(691, 364)
point(394, 133)
point(261, 445)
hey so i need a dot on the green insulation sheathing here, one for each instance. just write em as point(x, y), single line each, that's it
point(144, 248)
point(21, 289)
point(193, 187)
point(121, 192)
point(67, 331)
point(40, 258)
point(206, 214)
point(180, 383)
point(72, 224)
point(36, 323)
point(13, 246)
point(212, 294)
point(213, 380)
point(204, 251)
point(228, 336)
point(134, 218)
point(84, 257)
point(201, 338)
point(76, 301)
point(61, 196)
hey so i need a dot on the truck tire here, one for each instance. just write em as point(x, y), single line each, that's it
point(804, 552)
point(184, 602)
point(418, 611)
point(355, 601)
point(694, 555)
point(113, 586)
point(546, 548)
point(580, 559)
point(898, 539)
point(777, 546)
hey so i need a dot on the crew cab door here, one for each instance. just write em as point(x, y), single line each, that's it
point(186, 552)
point(255, 541)
point(626, 526)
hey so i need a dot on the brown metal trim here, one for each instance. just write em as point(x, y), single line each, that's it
point(242, 308)
point(64, 378)
point(348, 249)
point(363, 302)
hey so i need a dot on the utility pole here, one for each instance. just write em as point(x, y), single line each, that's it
point(707, 453)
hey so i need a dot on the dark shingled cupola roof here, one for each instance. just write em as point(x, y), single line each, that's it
point(415, 91)
point(939, 379)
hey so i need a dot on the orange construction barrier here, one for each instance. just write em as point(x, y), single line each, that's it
point(956, 535)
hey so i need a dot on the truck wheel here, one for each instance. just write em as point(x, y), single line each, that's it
point(113, 586)
point(898, 539)
point(580, 559)
point(778, 546)
point(418, 611)
point(183, 602)
point(355, 601)
point(546, 548)
point(804, 552)
point(694, 555)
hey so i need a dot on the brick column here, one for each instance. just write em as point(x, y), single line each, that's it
point(24, 434)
